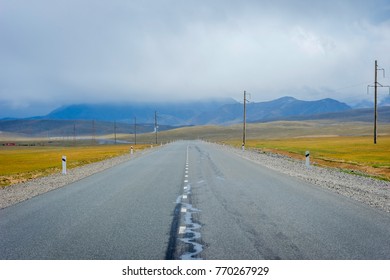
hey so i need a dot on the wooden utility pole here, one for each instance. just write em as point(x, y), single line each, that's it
point(376, 101)
point(244, 121)
point(115, 131)
point(375, 86)
point(93, 131)
point(135, 130)
point(74, 133)
point(155, 124)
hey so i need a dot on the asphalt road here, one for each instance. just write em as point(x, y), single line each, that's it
point(192, 200)
point(124, 212)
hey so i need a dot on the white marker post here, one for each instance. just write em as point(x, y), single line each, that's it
point(307, 159)
point(131, 150)
point(64, 165)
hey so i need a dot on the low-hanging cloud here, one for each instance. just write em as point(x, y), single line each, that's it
point(61, 52)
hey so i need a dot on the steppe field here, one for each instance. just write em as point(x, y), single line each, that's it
point(21, 163)
point(347, 146)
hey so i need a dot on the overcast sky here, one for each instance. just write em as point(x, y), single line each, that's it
point(58, 52)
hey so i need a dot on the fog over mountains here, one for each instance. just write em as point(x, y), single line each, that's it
point(217, 111)
point(105, 118)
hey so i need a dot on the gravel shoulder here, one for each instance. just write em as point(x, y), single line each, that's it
point(372, 192)
point(19, 192)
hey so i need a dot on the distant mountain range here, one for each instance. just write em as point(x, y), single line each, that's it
point(167, 113)
point(281, 108)
point(71, 128)
point(86, 117)
point(217, 111)
point(353, 115)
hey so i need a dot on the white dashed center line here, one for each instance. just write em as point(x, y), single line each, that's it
point(188, 227)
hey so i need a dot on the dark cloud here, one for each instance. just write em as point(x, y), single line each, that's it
point(59, 52)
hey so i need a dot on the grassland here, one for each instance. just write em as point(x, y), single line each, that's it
point(271, 130)
point(18, 164)
point(345, 145)
point(352, 154)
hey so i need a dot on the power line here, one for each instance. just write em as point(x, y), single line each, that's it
point(352, 86)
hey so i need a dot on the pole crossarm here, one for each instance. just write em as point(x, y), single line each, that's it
point(379, 85)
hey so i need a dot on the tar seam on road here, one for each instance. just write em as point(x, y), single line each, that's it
point(173, 235)
point(170, 253)
point(183, 225)
point(189, 228)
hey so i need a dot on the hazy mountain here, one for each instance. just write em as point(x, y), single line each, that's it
point(71, 128)
point(385, 101)
point(87, 119)
point(363, 104)
point(218, 111)
point(167, 113)
point(354, 115)
point(281, 108)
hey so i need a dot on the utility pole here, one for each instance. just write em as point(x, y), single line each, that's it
point(74, 133)
point(244, 121)
point(115, 131)
point(375, 86)
point(93, 131)
point(155, 124)
point(376, 101)
point(135, 130)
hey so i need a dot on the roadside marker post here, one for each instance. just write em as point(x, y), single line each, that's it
point(131, 150)
point(64, 165)
point(307, 154)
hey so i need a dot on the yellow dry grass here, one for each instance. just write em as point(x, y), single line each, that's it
point(19, 164)
point(351, 153)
